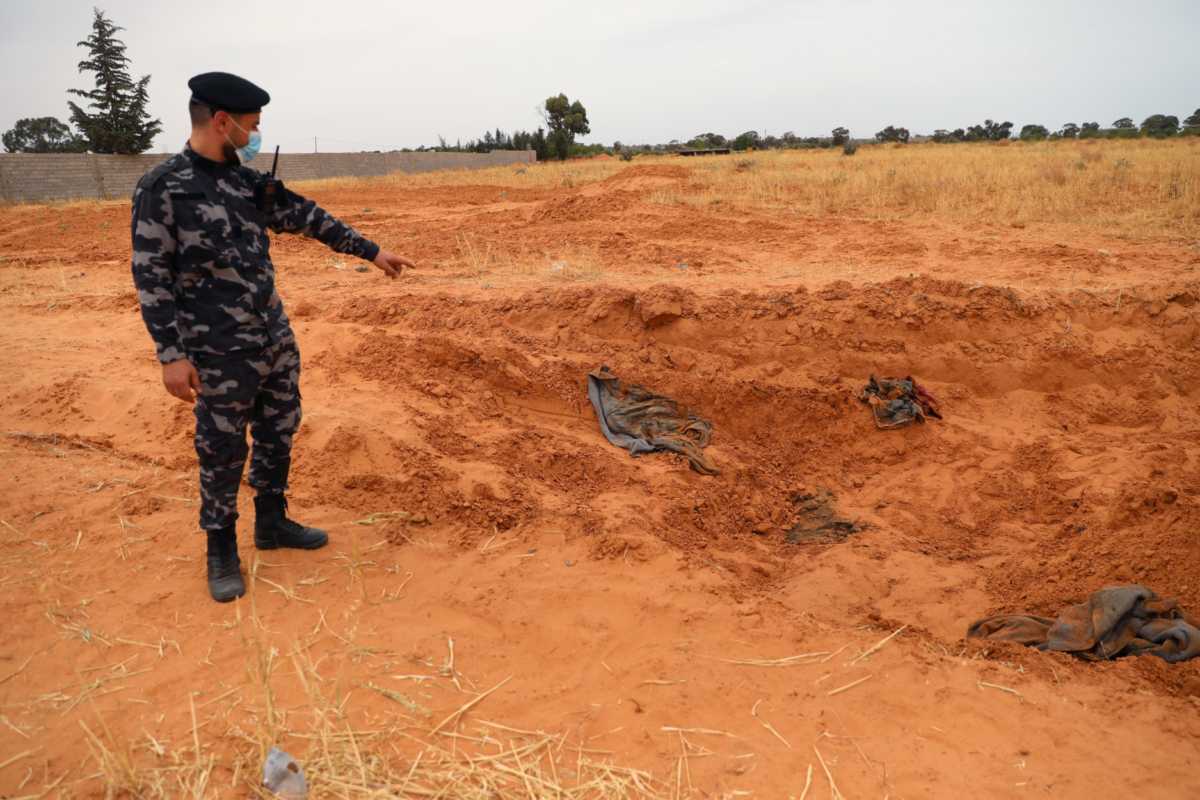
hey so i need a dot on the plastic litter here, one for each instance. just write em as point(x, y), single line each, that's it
point(283, 776)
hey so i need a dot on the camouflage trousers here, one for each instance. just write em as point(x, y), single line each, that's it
point(263, 390)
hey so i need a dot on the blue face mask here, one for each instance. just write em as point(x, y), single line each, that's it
point(248, 151)
point(251, 149)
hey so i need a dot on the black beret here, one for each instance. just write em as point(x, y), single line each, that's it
point(227, 92)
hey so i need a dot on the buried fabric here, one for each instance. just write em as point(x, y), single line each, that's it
point(640, 421)
point(1113, 622)
point(818, 520)
point(896, 402)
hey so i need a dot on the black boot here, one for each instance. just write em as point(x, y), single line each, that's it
point(224, 568)
point(273, 529)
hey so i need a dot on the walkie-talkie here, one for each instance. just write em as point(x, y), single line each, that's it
point(272, 192)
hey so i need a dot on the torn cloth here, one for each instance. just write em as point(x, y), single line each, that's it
point(1113, 622)
point(640, 421)
point(818, 520)
point(896, 402)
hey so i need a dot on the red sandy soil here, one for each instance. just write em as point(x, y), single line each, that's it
point(615, 591)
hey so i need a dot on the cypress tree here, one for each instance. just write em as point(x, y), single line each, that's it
point(117, 120)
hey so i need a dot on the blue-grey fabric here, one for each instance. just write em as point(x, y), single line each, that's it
point(1113, 622)
point(635, 419)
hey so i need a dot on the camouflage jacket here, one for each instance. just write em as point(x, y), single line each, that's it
point(202, 257)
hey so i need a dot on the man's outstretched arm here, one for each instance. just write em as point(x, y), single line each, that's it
point(296, 214)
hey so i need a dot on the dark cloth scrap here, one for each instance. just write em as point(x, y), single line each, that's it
point(1113, 622)
point(896, 402)
point(636, 419)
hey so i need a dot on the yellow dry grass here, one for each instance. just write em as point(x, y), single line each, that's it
point(480, 760)
point(543, 175)
point(1140, 186)
point(459, 758)
point(1136, 187)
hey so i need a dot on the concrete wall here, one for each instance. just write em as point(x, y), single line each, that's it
point(36, 177)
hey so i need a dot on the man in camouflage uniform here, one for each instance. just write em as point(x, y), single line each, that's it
point(206, 284)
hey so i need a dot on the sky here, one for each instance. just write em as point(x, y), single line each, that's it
point(366, 75)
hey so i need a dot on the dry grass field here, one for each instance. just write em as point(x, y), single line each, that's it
point(1139, 186)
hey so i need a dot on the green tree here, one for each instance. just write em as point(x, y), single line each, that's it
point(1124, 122)
point(1089, 130)
point(118, 121)
point(539, 145)
point(746, 141)
point(840, 136)
point(566, 120)
point(42, 135)
point(1160, 126)
point(892, 134)
point(1069, 131)
point(1033, 133)
point(1191, 125)
point(989, 131)
point(707, 141)
point(144, 129)
point(943, 136)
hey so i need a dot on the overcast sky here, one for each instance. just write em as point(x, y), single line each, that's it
point(377, 75)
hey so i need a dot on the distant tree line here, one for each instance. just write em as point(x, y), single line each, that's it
point(497, 140)
point(564, 121)
point(1156, 126)
point(551, 146)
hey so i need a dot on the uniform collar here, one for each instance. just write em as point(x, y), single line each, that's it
point(203, 162)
